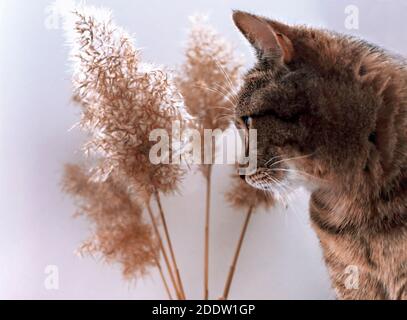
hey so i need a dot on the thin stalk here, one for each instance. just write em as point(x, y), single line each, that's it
point(167, 289)
point(207, 224)
point(167, 262)
point(236, 255)
point(167, 235)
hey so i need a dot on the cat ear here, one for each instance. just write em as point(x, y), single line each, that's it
point(263, 36)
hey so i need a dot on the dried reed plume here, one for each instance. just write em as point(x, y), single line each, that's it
point(123, 100)
point(207, 80)
point(120, 233)
point(243, 196)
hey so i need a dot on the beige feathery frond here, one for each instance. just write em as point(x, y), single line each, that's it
point(209, 76)
point(119, 232)
point(123, 100)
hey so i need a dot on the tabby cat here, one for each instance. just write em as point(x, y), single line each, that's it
point(331, 113)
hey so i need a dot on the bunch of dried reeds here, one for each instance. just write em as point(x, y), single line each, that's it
point(122, 100)
point(208, 80)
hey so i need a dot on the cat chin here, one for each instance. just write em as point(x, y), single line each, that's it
point(280, 189)
point(280, 192)
point(286, 192)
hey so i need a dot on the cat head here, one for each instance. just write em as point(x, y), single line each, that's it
point(324, 107)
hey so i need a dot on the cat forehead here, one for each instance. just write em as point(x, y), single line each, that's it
point(254, 80)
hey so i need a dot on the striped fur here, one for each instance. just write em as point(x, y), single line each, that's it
point(333, 114)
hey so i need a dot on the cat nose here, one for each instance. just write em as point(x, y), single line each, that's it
point(242, 176)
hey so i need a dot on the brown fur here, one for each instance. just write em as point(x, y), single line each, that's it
point(336, 111)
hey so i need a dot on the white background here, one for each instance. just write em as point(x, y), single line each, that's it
point(281, 258)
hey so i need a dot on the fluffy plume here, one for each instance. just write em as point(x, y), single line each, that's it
point(209, 76)
point(122, 101)
point(119, 232)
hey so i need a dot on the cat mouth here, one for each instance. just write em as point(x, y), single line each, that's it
point(266, 180)
point(282, 181)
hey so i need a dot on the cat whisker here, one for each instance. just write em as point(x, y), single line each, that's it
point(201, 86)
point(231, 86)
point(223, 94)
point(297, 171)
point(229, 93)
point(286, 191)
point(225, 118)
point(284, 186)
point(293, 158)
point(222, 117)
point(223, 108)
point(272, 158)
point(280, 184)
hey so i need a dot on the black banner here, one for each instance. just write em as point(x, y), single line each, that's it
point(201, 309)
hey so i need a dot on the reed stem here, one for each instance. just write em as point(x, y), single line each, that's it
point(167, 235)
point(166, 260)
point(167, 289)
point(236, 255)
point(207, 224)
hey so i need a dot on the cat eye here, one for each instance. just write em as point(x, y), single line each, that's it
point(247, 121)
